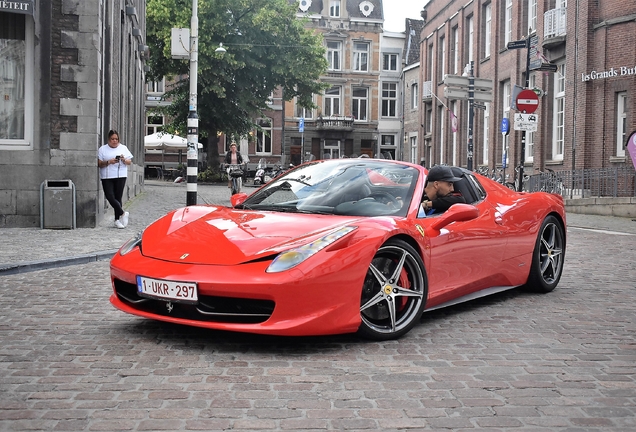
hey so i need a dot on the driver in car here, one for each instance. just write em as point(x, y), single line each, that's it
point(439, 193)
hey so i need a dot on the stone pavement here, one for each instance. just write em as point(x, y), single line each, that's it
point(514, 361)
point(26, 249)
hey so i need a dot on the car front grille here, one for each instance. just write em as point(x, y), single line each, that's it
point(208, 309)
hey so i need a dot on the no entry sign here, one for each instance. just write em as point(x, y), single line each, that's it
point(527, 101)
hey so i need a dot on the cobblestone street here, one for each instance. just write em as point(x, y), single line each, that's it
point(514, 361)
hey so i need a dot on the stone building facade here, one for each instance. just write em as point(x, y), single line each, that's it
point(75, 71)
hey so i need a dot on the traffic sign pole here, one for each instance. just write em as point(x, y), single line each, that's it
point(523, 133)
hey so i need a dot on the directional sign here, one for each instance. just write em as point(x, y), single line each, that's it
point(454, 93)
point(301, 124)
point(527, 101)
point(481, 84)
point(546, 67)
point(526, 122)
point(479, 105)
point(517, 44)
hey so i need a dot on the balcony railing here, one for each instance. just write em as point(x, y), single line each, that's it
point(554, 23)
point(335, 122)
point(427, 90)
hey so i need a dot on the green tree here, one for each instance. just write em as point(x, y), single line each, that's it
point(267, 47)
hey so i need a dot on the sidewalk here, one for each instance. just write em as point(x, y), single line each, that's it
point(28, 249)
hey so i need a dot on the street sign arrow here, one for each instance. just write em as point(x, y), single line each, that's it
point(546, 67)
point(478, 105)
point(462, 94)
point(517, 44)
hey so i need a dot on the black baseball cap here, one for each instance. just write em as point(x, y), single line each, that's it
point(441, 173)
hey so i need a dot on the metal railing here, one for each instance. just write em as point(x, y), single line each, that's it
point(554, 23)
point(335, 122)
point(586, 183)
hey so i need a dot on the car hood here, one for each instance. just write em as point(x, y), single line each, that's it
point(224, 236)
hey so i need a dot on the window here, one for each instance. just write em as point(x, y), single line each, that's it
point(359, 101)
point(413, 142)
point(154, 123)
point(442, 57)
point(558, 132)
point(621, 123)
point(452, 116)
point(485, 143)
point(389, 62)
point(487, 28)
point(334, 54)
point(332, 149)
point(471, 38)
point(360, 56)
point(387, 147)
point(505, 101)
point(429, 63)
point(414, 95)
point(16, 78)
point(389, 99)
point(532, 16)
point(508, 23)
point(302, 112)
point(156, 86)
point(440, 116)
point(334, 8)
point(264, 137)
point(332, 102)
point(429, 120)
point(455, 50)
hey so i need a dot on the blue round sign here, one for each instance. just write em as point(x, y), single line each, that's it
point(505, 126)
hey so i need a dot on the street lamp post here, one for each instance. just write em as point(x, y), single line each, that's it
point(193, 119)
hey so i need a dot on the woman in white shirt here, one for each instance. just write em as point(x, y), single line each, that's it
point(113, 159)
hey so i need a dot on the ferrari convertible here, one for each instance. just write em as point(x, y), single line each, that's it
point(339, 246)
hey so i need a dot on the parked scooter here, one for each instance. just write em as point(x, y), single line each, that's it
point(263, 173)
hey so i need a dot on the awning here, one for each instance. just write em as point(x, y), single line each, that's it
point(17, 6)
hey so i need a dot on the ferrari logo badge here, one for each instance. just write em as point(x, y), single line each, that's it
point(184, 256)
point(420, 229)
point(169, 307)
point(388, 289)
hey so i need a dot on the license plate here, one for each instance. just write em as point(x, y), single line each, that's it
point(184, 292)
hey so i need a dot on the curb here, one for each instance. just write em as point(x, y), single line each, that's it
point(25, 267)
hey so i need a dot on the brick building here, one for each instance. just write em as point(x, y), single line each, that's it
point(586, 107)
point(70, 70)
point(360, 112)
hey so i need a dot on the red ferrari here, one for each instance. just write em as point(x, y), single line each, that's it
point(339, 246)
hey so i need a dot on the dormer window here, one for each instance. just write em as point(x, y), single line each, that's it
point(334, 8)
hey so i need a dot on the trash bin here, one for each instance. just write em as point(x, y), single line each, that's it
point(57, 204)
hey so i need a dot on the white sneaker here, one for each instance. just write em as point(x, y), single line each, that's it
point(119, 225)
point(124, 219)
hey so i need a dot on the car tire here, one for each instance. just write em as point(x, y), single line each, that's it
point(547, 258)
point(394, 292)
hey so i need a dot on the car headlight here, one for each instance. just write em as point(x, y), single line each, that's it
point(293, 257)
point(131, 244)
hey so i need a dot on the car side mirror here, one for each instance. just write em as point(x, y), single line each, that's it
point(456, 213)
point(238, 198)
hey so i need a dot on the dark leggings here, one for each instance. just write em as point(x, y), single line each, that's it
point(114, 190)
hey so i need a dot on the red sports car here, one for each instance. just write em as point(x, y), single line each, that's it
point(339, 246)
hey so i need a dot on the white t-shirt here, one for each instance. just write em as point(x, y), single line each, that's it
point(120, 169)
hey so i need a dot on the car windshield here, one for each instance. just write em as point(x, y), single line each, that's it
point(340, 187)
